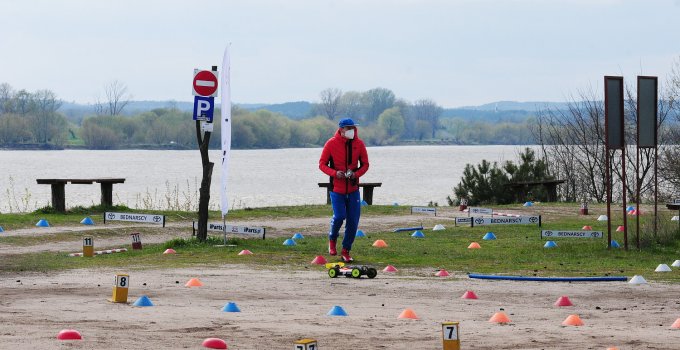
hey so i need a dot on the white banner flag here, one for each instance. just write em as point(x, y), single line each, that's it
point(226, 129)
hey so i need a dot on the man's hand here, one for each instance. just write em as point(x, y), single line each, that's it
point(340, 175)
point(349, 174)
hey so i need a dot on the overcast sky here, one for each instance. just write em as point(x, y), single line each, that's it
point(455, 52)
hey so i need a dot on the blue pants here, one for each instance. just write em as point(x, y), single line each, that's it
point(345, 206)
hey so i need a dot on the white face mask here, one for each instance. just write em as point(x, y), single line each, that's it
point(349, 134)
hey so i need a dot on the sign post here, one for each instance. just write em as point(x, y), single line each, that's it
point(584, 208)
point(463, 204)
point(450, 336)
point(88, 246)
point(120, 288)
point(305, 344)
point(205, 85)
point(614, 140)
point(136, 241)
point(647, 140)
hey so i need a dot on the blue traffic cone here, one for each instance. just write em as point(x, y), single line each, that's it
point(630, 207)
point(231, 307)
point(87, 221)
point(337, 311)
point(489, 236)
point(1, 229)
point(615, 244)
point(289, 242)
point(528, 204)
point(143, 301)
point(360, 234)
point(298, 235)
point(363, 203)
point(418, 234)
point(42, 223)
point(550, 244)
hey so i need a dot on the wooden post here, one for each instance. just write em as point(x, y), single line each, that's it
point(368, 194)
point(59, 196)
point(107, 194)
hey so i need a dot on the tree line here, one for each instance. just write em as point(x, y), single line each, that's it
point(33, 118)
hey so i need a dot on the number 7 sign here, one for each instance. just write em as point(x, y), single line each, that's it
point(450, 340)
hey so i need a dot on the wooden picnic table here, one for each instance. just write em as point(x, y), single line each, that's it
point(367, 194)
point(59, 193)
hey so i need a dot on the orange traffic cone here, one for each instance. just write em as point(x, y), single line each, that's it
point(613, 348)
point(500, 317)
point(408, 313)
point(379, 244)
point(194, 282)
point(245, 252)
point(474, 245)
point(573, 320)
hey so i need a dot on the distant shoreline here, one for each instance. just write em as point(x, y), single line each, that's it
point(176, 147)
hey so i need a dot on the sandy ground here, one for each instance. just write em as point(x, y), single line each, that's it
point(279, 306)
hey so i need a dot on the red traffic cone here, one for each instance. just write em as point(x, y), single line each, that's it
point(469, 295)
point(319, 260)
point(563, 301)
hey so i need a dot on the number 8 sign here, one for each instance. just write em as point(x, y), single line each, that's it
point(306, 344)
point(120, 289)
point(122, 281)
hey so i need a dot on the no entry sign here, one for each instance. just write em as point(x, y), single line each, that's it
point(205, 83)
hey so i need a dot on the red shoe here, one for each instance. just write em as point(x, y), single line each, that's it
point(345, 256)
point(331, 248)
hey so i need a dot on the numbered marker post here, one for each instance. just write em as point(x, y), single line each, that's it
point(584, 208)
point(450, 338)
point(88, 246)
point(306, 344)
point(136, 241)
point(120, 289)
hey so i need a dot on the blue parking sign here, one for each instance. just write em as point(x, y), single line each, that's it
point(204, 108)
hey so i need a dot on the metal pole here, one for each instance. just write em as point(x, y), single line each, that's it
point(623, 180)
point(638, 184)
point(609, 199)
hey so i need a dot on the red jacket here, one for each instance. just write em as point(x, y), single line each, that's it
point(341, 154)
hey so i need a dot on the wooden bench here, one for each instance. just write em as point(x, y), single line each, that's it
point(366, 195)
point(59, 195)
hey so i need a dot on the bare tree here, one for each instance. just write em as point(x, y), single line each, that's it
point(330, 102)
point(351, 105)
point(46, 123)
point(6, 93)
point(572, 141)
point(428, 111)
point(377, 101)
point(117, 98)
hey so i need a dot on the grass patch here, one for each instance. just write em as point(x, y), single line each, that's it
point(73, 216)
point(517, 251)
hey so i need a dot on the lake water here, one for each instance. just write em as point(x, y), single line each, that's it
point(412, 175)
